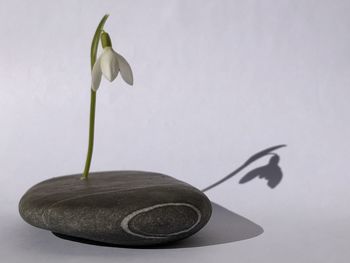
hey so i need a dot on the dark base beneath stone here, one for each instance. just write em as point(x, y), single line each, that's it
point(103, 244)
point(83, 240)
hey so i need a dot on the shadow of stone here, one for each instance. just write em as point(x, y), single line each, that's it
point(223, 227)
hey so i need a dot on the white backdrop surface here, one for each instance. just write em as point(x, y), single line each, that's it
point(215, 82)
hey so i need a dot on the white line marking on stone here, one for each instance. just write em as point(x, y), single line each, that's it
point(125, 222)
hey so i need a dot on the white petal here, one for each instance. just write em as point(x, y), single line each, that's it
point(125, 70)
point(96, 75)
point(109, 64)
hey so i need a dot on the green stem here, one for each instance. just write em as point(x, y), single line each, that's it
point(91, 135)
point(93, 55)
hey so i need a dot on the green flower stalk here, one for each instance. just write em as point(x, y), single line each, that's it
point(109, 64)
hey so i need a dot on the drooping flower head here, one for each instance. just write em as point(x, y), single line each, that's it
point(109, 64)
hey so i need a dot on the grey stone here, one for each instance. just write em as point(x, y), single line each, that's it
point(127, 208)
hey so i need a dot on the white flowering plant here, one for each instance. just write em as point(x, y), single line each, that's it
point(108, 64)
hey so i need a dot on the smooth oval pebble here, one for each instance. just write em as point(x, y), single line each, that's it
point(127, 208)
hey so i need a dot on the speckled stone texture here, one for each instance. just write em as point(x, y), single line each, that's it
point(127, 208)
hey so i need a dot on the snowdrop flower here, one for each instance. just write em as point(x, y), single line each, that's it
point(109, 64)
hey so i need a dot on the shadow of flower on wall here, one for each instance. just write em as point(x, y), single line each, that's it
point(271, 172)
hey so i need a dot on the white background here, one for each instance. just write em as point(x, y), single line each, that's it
point(215, 82)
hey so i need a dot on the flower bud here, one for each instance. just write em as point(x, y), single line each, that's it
point(106, 40)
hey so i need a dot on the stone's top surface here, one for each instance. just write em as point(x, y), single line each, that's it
point(129, 208)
